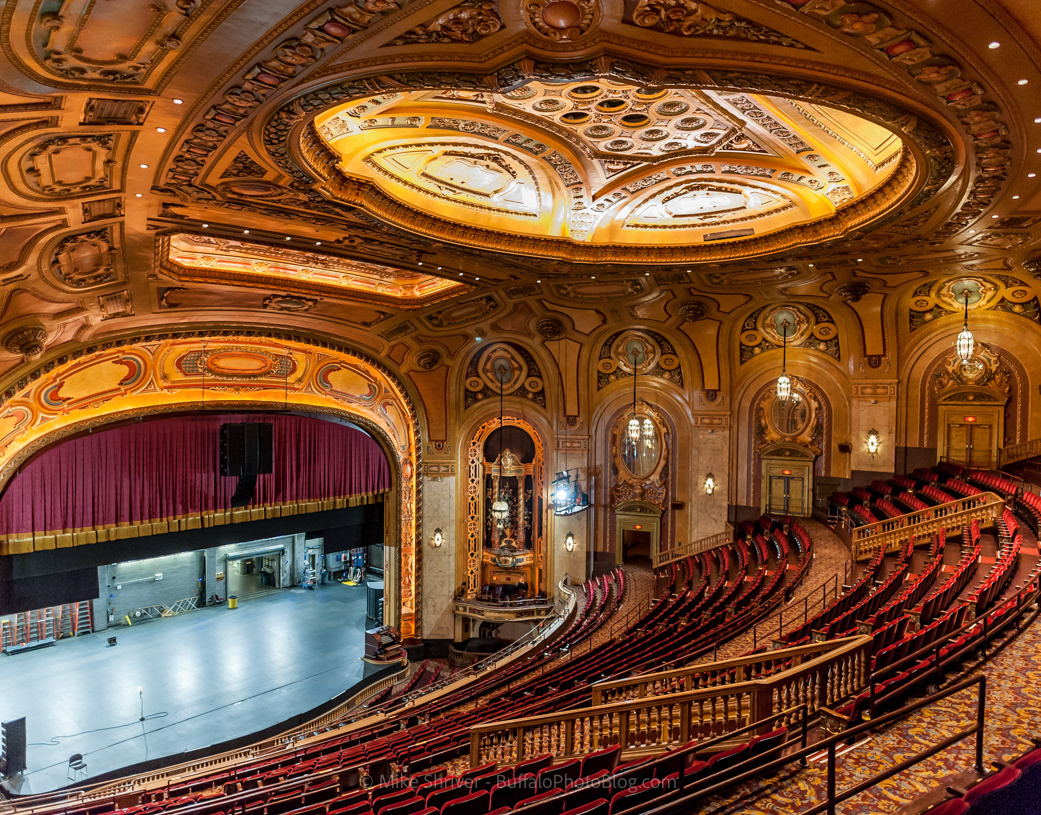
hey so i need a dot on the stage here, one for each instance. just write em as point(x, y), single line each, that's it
point(207, 676)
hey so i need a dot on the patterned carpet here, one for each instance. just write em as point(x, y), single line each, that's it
point(830, 556)
point(1013, 716)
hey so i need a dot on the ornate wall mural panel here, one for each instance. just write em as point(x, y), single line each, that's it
point(655, 356)
point(807, 326)
point(520, 374)
point(946, 297)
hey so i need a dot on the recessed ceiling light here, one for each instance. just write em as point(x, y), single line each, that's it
point(994, 216)
point(646, 274)
point(477, 278)
point(160, 130)
point(178, 101)
point(538, 281)
point(139, 195)
point(205, 226)
point(811, 265)
point(860, 260)
point(1031, 175)
point(1037, 120)
point(593, 276)
point(478, 339)
point(144, 166)
point(1022, 82)
point(1015, 197)
point(317, 243)
point(994, 44)
point(420, 263)
point(460, 274)
point(245, 231)
point(972, 231)
point(439, 268)
point(288, 238)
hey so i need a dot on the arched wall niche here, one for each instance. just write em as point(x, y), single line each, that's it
point(808, 373)
point(471, 516)
point(1019, 347)
point(229, 371)
point(700, 445)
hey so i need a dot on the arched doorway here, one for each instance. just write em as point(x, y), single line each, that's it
point(971, 396)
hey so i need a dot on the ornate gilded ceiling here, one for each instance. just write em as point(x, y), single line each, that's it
point(605, 162)
point(405, 176)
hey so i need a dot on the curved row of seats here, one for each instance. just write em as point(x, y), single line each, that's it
point(1014, 789)
point(716, 598)
point(715, 594)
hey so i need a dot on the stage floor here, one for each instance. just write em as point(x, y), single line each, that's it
point(206, 677)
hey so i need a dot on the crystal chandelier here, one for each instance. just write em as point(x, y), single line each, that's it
point(634, 429)
point(965, 343)
point(784, 382)
point(500, 509)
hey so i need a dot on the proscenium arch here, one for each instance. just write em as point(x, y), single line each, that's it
point(232, 370)
point(292, 141)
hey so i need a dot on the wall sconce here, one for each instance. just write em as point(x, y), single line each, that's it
point(873, 442)
point(438, 538)
point(569, 542)
point(710, 483)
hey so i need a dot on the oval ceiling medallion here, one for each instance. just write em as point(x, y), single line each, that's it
point(604, 170)
point(239, 364)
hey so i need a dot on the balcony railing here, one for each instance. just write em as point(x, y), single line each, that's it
point(693, 548)
point(655, 719)
point(892, 533)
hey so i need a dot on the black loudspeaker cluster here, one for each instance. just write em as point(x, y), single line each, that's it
point(12, 747)
point(246, 451)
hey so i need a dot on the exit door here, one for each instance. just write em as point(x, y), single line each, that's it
point(786, 494)
point(970, 444)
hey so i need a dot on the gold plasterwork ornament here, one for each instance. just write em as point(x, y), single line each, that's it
point(603, 169)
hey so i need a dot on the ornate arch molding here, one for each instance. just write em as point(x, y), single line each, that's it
point(227, 370)
point(475, 501)
point(293, 143)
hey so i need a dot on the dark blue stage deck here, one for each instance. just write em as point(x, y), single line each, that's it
point(207, 676)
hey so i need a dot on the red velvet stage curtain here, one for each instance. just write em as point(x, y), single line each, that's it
point(169, 468)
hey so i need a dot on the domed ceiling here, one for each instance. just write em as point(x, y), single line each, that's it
point(606, 163)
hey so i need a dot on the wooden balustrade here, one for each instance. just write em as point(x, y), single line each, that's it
point(821, 675)
point(715, 674)
point(694, 548)
point(892, 533)
point(1019, 452)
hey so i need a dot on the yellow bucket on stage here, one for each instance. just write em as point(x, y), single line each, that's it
point(233, 602)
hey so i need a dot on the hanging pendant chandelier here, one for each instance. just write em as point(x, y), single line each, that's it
point(500, 509)
point(784, 382)
point(634, 427)
point(965, 344)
